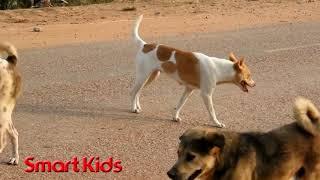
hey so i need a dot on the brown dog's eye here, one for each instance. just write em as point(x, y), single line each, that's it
point(189, 157)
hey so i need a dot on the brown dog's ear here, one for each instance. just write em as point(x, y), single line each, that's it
point(208, 143)
point(217, 140)
point(181, 137)
point(213, 140)
point(215, 151)
point(232, 57)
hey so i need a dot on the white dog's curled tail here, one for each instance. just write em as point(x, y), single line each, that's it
point(136, 37)
point(307, 115)
point(11, 52)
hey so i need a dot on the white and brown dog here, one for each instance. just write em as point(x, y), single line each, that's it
point(10, 85)
point(194, 70)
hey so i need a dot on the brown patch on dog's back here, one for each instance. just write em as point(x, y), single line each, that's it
point(4, 109)
point(164, 52)
point(188, 68)
point(187, 65)
point(148, 47)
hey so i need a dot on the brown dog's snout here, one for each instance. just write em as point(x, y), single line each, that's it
point(172, 173)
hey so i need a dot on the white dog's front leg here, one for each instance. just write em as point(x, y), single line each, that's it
point(138, 102)
point(207, 99)
point(186, 94)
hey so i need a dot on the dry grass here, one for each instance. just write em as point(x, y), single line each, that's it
point(132, 8)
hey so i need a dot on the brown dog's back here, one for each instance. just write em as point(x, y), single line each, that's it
point(289, 151)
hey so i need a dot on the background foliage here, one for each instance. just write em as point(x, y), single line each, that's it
point(14, 4)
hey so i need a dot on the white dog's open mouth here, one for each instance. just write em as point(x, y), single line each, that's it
point(195, 174)
point(244, 86)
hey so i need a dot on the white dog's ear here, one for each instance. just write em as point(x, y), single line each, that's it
point(232, 57)
point(241, 61)
point(238, 65)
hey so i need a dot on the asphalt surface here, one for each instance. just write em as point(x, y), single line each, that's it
point(76, 99)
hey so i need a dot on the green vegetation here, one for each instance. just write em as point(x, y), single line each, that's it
point(14, 4)
point(85, 2)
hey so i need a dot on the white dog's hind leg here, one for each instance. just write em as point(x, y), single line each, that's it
point(13, 134)
point(186, 94)
point(140, 81)
point(152, 77)
point(3, 141)
point(207, 99)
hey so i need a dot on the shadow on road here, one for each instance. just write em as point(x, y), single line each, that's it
point(112, 113)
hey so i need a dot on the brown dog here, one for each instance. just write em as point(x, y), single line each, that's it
point(291, 151)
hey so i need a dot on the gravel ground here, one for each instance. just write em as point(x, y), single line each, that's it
point(76, 99)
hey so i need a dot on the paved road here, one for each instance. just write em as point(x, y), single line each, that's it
point(76, 102)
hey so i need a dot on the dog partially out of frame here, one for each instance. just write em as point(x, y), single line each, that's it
point(10, 86)
point(286, 153)
point(194, 70)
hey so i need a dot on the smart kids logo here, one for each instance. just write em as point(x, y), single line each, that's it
point(85, 164)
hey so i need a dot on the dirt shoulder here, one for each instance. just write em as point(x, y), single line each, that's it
point(104, 22)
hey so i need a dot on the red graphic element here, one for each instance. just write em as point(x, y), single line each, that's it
point(91, 164)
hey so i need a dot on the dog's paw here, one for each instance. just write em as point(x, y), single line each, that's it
point(137, 111)
point(12, 161)
point(176, 119)
point(220, 125)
